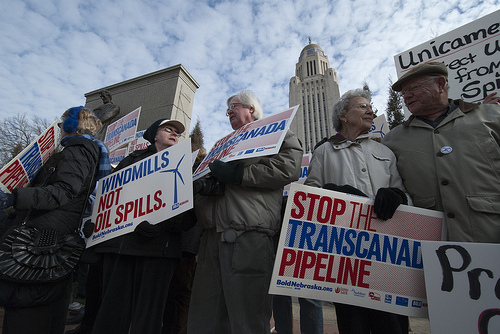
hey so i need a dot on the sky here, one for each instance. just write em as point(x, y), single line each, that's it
point(52, 52)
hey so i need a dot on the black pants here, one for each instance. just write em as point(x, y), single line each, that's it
point(359, 320)
point(135, 290)
point(45, 310)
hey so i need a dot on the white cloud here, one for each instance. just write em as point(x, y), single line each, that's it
point(52, 52)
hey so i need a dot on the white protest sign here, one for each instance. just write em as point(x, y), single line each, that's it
point(380, 127)
point(332, 247)
point(259, 138)
point(156, 188)
point(122, 131)
point(139, 143)
point(463, 286)
point(23, 168)
point(471, 53)
point(304, 166)
point(117, 155)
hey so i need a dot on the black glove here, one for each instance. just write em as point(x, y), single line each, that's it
point(321, 142)
point(88, 228)
point(6, 200)
point(387, 201)
point(227, 172)
point(208, 186)
point(347, 189)
point(147, 230)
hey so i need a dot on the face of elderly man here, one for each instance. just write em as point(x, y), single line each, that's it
point(239, 114)
point(423, 96)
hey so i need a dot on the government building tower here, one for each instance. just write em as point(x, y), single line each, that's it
point(315, 88)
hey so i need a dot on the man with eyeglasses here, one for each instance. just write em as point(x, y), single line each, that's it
point(448, 154)
point(138, 266)
point(236, 256)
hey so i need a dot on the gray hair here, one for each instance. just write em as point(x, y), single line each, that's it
point(249, 99)
point(340, 108)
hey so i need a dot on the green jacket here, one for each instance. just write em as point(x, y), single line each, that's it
point(454, 168)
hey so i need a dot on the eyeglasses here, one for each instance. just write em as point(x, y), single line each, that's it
point(231, 106)
point(413, 87)
point(365, 106)
point(169, 130)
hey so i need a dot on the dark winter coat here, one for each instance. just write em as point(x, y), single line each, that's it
point(59, 191)
point(55, 200)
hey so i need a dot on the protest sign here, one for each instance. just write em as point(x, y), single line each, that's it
point(117, 155)
point(333, 248)
point(156, 188)
point(463, 286)
point(471, 53)
point(22, 169)
point(379, 127)
point(258, 138)
point(122, 131)
point(139, 143)
point(304, 166)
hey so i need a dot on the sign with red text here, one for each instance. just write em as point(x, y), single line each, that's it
point(332, 247)
point(258, 138)
point(122, 131)
point(139, 143)
point(156, 188)
point(23, 168)
point(463, 286)
point(471, 53)
point(119, 154)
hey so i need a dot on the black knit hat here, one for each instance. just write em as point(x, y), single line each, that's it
point(150, 133)
point(430, 68)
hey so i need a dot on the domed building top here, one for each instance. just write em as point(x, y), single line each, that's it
point(310, 49)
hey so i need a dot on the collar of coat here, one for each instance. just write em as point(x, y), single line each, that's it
point(465, 107)
point(339, 139)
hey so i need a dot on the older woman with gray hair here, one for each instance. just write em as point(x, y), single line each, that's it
point(351, 162)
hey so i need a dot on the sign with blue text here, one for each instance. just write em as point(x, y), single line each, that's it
point(258, 138)
point(333, 247)
point(19, 172)
point(156, 188)
point(122, 131)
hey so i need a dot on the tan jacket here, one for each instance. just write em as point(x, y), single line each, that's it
point(454, 168)
point(364, 164)
point(256, 203)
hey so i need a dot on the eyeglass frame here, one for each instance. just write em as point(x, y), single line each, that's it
point(231, 107)
point(365, 106)
point(169, 130)
point(414, 87)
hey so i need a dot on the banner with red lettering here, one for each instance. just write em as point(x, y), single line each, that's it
point(258, 138)
point(23, 168)
point(332, 247)
point(463, 286)
point(122, 131)
point(156, 188)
